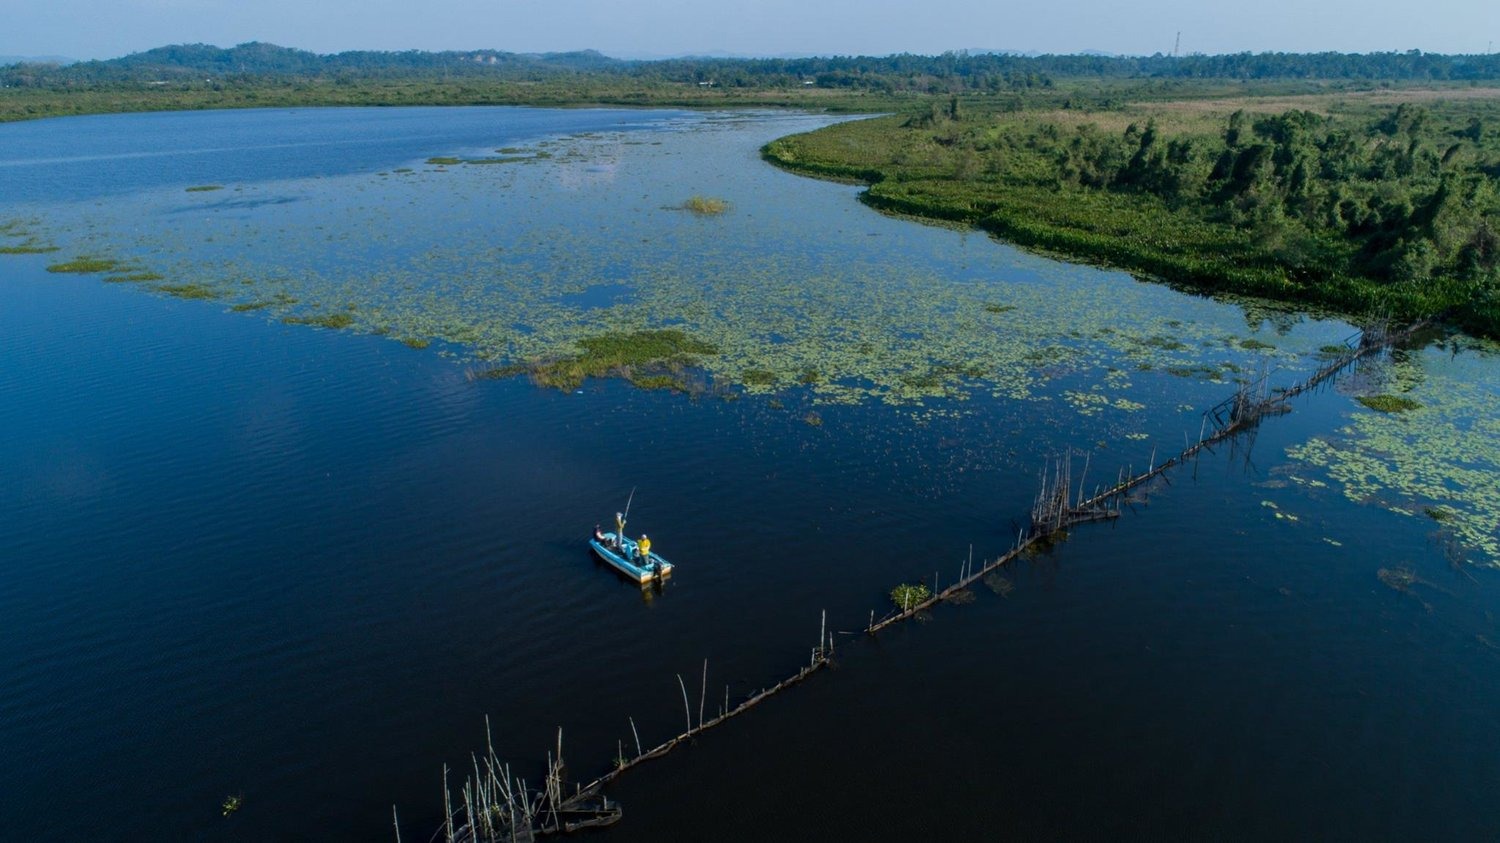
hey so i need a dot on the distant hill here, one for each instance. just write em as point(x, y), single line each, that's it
point(258, 59)
point(952, 72)
point(59, 60)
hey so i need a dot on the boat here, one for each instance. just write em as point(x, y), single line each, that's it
point(621, 553)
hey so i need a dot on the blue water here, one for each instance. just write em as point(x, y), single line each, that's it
point(244, 557)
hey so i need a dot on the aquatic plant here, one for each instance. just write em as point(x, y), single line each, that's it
point(84, 265)
point(1389, 403)
point(444, 160)
point(232, 803)
point(616, 352)
point(204, 188)
point(706, 206)
point(132, 277)
point(30, 247)
point(188, 291)
point(321, 320)
point(907, 595)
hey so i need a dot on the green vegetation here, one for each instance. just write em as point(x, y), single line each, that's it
point(444, 161)
point(705, 206)
point(906, 595)
point(30, 247)
point(188, 291)
point(322, 320)
point(1388, 403)
point(84, 265)
point(654, 359)
point(1350, 203)
point(134, 277)
point(204, 188)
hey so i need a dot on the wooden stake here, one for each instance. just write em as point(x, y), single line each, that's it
point(686, 712)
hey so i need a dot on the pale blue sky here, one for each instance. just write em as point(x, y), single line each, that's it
point(637, 28)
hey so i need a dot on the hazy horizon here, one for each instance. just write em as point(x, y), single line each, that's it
point(94, 29)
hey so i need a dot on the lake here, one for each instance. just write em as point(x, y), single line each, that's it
point(246, 555)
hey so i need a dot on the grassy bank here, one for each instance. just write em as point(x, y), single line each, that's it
point(1376, 202)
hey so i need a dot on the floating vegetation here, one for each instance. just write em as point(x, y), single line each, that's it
point(812, 419)
point(204, 188)
point(1252, 344)
point(416, 342)
point(84, 265)
point(1389, 403)
point(232, 804)
point(1437, 513)
point(706, 206)
point(321, 320)
point(795, 302)
point(962, 597)
point(908, 595)
point(30, 247)
point(188, 291)
point(1444, 456)
point(444, 161)
point(617, 352)
point(134, 277)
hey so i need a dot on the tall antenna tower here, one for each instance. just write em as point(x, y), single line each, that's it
point(1176, 44)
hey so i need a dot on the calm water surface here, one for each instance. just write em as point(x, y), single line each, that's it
point(246, 557)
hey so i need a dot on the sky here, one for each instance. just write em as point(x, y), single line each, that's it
point(89, 29)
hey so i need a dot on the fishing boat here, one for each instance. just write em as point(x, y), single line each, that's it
point(624, 555)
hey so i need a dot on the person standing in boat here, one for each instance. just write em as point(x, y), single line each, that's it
point(619, 530)
point(644, 546)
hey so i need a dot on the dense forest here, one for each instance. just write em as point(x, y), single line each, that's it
point(952, 72)
point(1360, 206)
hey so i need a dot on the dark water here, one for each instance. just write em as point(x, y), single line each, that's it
point(246, 557)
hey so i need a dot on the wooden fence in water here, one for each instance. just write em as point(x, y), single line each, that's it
point(499, 807)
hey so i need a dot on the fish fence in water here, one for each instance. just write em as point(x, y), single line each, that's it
point(499, 807)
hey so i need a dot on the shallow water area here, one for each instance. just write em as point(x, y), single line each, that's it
point(301, 565)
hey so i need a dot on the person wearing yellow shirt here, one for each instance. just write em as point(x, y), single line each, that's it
point(644, 546)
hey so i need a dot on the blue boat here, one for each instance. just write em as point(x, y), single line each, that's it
point(624, 556)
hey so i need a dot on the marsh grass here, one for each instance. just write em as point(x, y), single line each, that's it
point(30, 247)
point(705, 206)
point(444, 160)
point(204, 188)
point(643, 357)
point(85, 265)
point(132, 277)
point(907, 595)
point(416, 342)
point(188, 291)
point(1388, 403)
point(333, 321)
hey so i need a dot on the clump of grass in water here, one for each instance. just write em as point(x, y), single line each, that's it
point(1252, 344)
point(1388, 403)
point(812, 419)
point(30, 247)
point(134, 277)
point(999, 308)
point(444, 161)
point(1437, 513)
point(204, 188)
point(706, 206)
point(416, 342)
point(615, 353)
point(188, 291)
point(322, 320)
point(86, 264)
point(908, 595)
